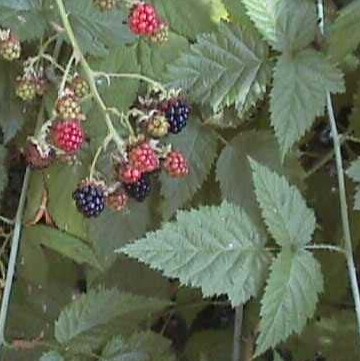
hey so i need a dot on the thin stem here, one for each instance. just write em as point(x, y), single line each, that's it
point(131, 76)
point(352, 139)
point(53, 62)
point(97, 156)
point(326, 247)
point(89, 75)
point(239, 310)
point(66, 74)
point(7, 221)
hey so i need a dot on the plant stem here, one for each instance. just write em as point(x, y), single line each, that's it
point(89, 75)
point(7, 221)
point(239, 310)
point(66, 74)
point(326, 247)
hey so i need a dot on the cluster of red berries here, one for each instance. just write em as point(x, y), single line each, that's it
point(144, 20)
point(155, 115)
point(65, 136)
point(10, 46)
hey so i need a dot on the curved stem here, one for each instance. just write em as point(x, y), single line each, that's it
point(66, 74)
point(53, 62)
point(89, 74)
point(97, 156)
point(131, 76)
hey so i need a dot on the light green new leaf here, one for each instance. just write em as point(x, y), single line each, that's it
point(290, 297)
point(199, 145)
point(63, 243)
point(284, 210)
point(301, 83)
point(345, 32)
point(288, 25)
point(98, 307)
point(3, 170)
point(215, 248)
point(224, 68)
point(51, 356)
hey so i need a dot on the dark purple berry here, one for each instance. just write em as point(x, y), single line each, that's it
point(90, 199)
point(177, 114)
point(139, 190)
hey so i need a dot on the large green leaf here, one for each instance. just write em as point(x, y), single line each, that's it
point(288, 25)
point(98, 307)
point(64, 244)
point(237, 13)
point(284, 210)
point(290, 297)
point(301, 83)
point(227, 67)
point(188, 17)
point(345, 32)
point(199, 145)
point(215, 248)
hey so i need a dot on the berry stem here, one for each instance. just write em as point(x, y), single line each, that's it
point(66, 74)
point(342, 191)
point(89, 74)
point(53, 62)
point(131, 76)
point(97, 156)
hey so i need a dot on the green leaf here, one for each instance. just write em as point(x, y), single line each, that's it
point(64, 244)
point(98, 307)
point(233, 169)
point(237, 13)
point(301, 83)
point(290, 297)
point(284, 210)
point(3, 170)
point(345, 31)
point(51, 356)
point(97, 31)
point(288, 25)
point(17, 4)
point(277, 357)
point(199, 145)
point(354, 171)
point(155, 58)
point(188, 17)
point(224, 68)
point(215, 248)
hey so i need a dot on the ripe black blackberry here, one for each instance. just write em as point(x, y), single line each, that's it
point(177, 112)
point(90, 199)
point(139, 190)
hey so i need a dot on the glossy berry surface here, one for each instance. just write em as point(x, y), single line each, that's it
point(129, 174)
point(26, 89)
point(144, 20)
point(90, 199)
point(176, 165)
point(117, 201)
point(139, 190)
point(69, 136)
point(10, 49)
point(144, 158)
point(177, 113)
point(69, 108)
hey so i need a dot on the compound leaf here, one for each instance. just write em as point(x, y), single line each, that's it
point(215, 248)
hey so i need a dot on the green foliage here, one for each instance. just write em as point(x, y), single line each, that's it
point(199, 145)
point(237, 13)
point(224, 68)
point(288, 25)
point(64, 244)
point(98, 307)
point(345, 32)
point(277, 357)
point(3, 170)
point(354, 173)
point(215, 248)
point(290, 297)
point(51, 356)
point(284, 210)
point(301, 83)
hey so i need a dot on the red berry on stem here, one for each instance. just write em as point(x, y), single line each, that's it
point(144, 20)
point(69, 136)
point(117, 201)
point(176, 165)
point(129, 174)
point(144, 158)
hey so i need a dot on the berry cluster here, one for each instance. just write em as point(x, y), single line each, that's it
point(144, 20)
point(10, 47)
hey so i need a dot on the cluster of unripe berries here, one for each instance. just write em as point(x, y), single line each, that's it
point(65, 135)
point(144, 156)
point(10, 46)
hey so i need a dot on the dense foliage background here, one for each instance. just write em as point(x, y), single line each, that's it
point(256, 93)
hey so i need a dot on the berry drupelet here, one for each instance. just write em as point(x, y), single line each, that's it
point(117, 201)
point(129, 174)
point(176, 165)
point(139, 190)
point(68, 136)
point(26, 88)
point(144, 20)
point(68, 107)
point(177, 112)
point(144, 158)
point(80, 86)
point(10, 48)
point(90, 199)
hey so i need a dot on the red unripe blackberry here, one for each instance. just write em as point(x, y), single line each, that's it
point(144, 20)
point(69, 108)
point(176, 165)
point(144, 158)
point(68, 136)
point(139, 190)
point(90, 199)
point(129, 174)
point(117, 201)
point(10, 48)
